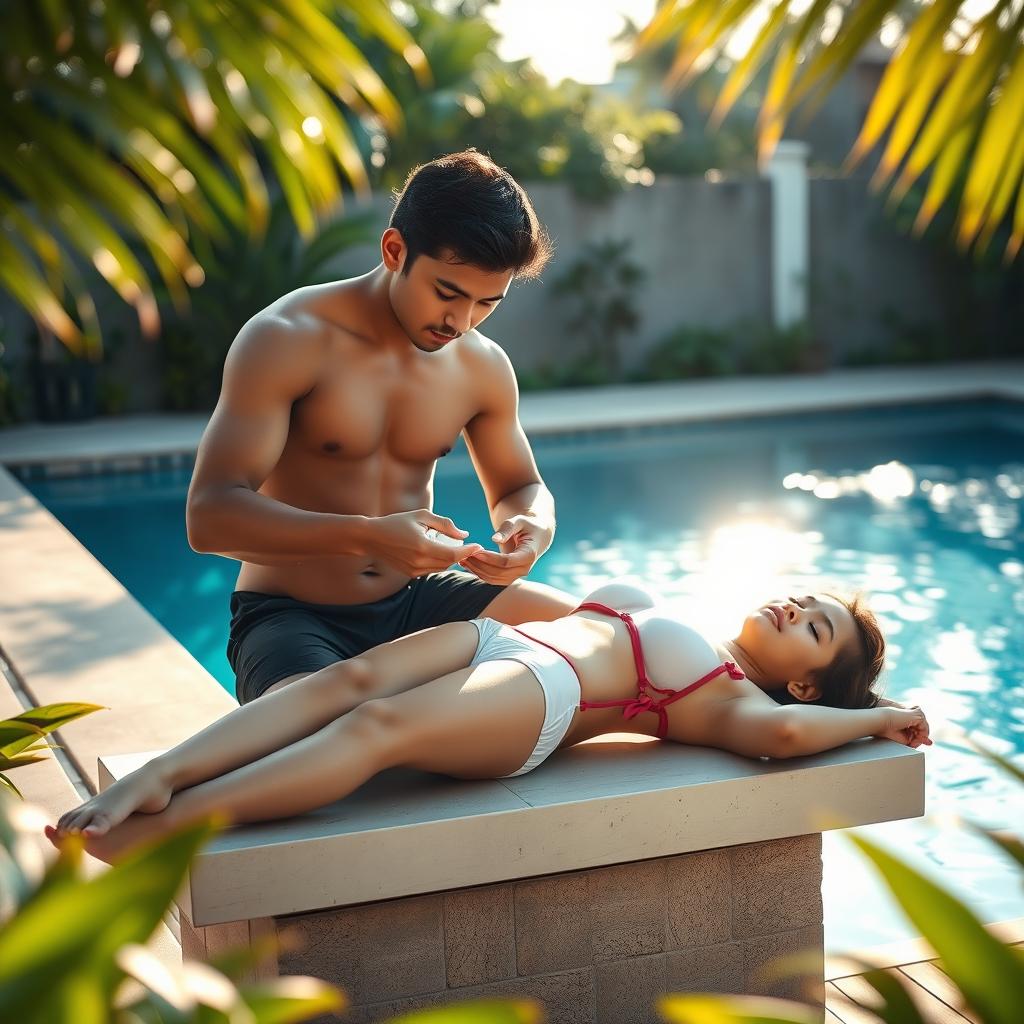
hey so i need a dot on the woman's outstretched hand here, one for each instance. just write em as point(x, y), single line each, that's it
point(906, 725)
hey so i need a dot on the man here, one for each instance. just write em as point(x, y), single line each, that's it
point(316, 469)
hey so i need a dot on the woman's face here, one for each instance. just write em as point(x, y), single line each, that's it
point(788, 638)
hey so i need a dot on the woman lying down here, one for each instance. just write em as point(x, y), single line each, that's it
point(463, 700)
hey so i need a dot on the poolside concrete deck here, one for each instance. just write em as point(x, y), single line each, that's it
point(128, 437)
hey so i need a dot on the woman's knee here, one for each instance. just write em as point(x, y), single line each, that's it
point(377, 720)
point(341, 685)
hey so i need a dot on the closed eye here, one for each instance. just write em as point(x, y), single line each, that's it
point(444, 298)
point(810, 625)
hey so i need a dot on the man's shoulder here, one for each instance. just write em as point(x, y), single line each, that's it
point(298, 318)
point(283, 336)
point(484, 351)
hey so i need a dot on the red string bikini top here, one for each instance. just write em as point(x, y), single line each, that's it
point(644, 700)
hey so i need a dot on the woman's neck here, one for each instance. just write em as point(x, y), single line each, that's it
point(751, 669)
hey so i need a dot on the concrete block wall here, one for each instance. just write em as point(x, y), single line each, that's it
point(595, 947)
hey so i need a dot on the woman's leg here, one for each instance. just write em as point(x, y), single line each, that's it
point(276, 720)
point(474, 723)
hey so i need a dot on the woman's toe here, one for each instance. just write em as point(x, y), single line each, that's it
point(99, 825)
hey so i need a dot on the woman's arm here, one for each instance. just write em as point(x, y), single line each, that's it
point(817, 728)
point(756, 729)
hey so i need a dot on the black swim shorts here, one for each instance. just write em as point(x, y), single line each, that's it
point(273, 636)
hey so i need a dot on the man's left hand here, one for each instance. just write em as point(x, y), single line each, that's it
point(521, 541)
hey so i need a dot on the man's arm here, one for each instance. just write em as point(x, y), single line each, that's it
point(271, 364)
point(522, 508)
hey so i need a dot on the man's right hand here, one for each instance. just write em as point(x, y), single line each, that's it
point(401, 541)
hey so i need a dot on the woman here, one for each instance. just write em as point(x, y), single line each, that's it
point(462, 699)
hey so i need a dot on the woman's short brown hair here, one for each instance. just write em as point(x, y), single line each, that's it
point(848, 682)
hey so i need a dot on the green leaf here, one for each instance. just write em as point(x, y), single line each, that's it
point(74, 931)
point(901, 71)
point(1000, 762)
point(747, 66)
point(705, 1009)
point(986, 972)
point(5, 783)
point(859, 24)
point(929, 81)
point(29, 289)
point(482, 1011)
point(944, 173)
point(895, 1006)
point(22, 730)
point(284, 1000)
point(967, 90)
point(1006, 841)
point(7, 763)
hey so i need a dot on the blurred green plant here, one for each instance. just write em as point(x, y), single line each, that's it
point(592, 140)
point(10, 411)
point(572, 372)
point(122, 122)
point(690, 351)
point(697, 147)
point(988, 974)
point(771, 349)
point(241, 278)
point(747, 346)
point(949, 108)
point(601, 287)
point(72, 947)
point(22, 738)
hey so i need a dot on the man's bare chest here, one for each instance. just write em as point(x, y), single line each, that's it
point(408, 418)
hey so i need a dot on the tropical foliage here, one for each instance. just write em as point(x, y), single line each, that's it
point(239, 280)
point(569, 132)
point(22, 737)
point(602, 285)
point(949, 108)
point(127, 124)
point(72, 947)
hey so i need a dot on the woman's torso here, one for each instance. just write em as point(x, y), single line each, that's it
point(675, 655)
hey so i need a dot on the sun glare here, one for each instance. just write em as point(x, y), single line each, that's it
point(559, 41)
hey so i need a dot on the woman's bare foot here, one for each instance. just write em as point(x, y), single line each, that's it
point(147, 790)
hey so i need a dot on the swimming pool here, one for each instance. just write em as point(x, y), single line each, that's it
point(921, 506)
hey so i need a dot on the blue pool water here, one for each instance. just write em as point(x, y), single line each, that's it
point(920, 506)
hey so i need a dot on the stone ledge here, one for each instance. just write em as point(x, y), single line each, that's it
point(609, 801)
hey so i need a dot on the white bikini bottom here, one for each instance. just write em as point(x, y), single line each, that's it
point(556, 676)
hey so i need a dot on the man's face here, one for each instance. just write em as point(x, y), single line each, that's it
point(440, 299)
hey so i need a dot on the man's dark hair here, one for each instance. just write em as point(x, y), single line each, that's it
point(466, 205)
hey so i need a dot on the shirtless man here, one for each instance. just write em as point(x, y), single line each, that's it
point(316, 469)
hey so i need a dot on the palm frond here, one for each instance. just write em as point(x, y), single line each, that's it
point(125, 130)
point(950, 104)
